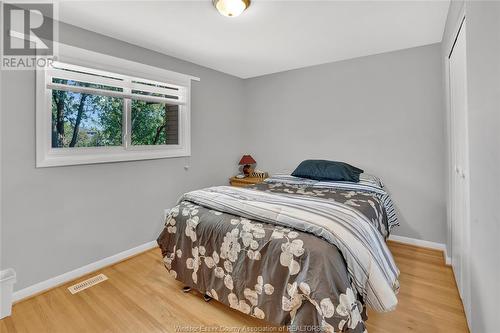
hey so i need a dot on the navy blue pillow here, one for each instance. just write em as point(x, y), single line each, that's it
point(327, 170)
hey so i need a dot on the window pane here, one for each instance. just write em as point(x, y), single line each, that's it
point(154, 123)
point(83, 120)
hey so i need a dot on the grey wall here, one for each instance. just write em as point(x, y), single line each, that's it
point(483, 73)
point(59, 219)
point(383, 113)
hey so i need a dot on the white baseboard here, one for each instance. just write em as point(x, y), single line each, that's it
point(422, 243)
point(7, 281)
point(76, 273)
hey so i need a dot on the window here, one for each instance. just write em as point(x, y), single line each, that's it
point(87, 115)
point(154, 123)
point(85, 120)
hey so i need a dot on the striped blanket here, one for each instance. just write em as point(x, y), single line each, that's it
point(370, 265)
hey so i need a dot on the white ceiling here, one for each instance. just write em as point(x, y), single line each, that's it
point(271, 36)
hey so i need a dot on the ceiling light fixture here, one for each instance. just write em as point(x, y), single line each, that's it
point(231, 8)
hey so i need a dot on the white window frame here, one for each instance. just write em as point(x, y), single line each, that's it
point(46, 156)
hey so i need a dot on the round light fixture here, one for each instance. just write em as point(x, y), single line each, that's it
point(231, 8)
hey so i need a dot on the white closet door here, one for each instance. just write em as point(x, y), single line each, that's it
point(460, 166)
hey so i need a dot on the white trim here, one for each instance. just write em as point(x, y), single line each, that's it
point(448, 44)
point(7, 280)
point(456, 27)
point(464, 286)
point(422, 243)
point(76, 273)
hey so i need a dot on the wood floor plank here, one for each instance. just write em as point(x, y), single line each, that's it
point(139, 296)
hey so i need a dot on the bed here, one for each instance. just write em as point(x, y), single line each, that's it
point(291, 251)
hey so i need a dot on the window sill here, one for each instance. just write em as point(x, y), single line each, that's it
point(61, 156)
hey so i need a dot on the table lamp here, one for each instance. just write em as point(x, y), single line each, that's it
point(246, 161)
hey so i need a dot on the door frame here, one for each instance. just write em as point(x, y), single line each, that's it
point(465, 293)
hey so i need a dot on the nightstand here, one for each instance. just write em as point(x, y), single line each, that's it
point(241, 182)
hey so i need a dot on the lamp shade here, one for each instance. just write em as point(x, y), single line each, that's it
point(247, 159)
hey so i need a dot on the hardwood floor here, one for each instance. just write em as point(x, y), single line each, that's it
point(140, 297)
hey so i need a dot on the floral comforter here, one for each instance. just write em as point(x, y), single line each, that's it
point(267, 270)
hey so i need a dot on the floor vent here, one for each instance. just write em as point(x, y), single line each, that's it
point(87, 283)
